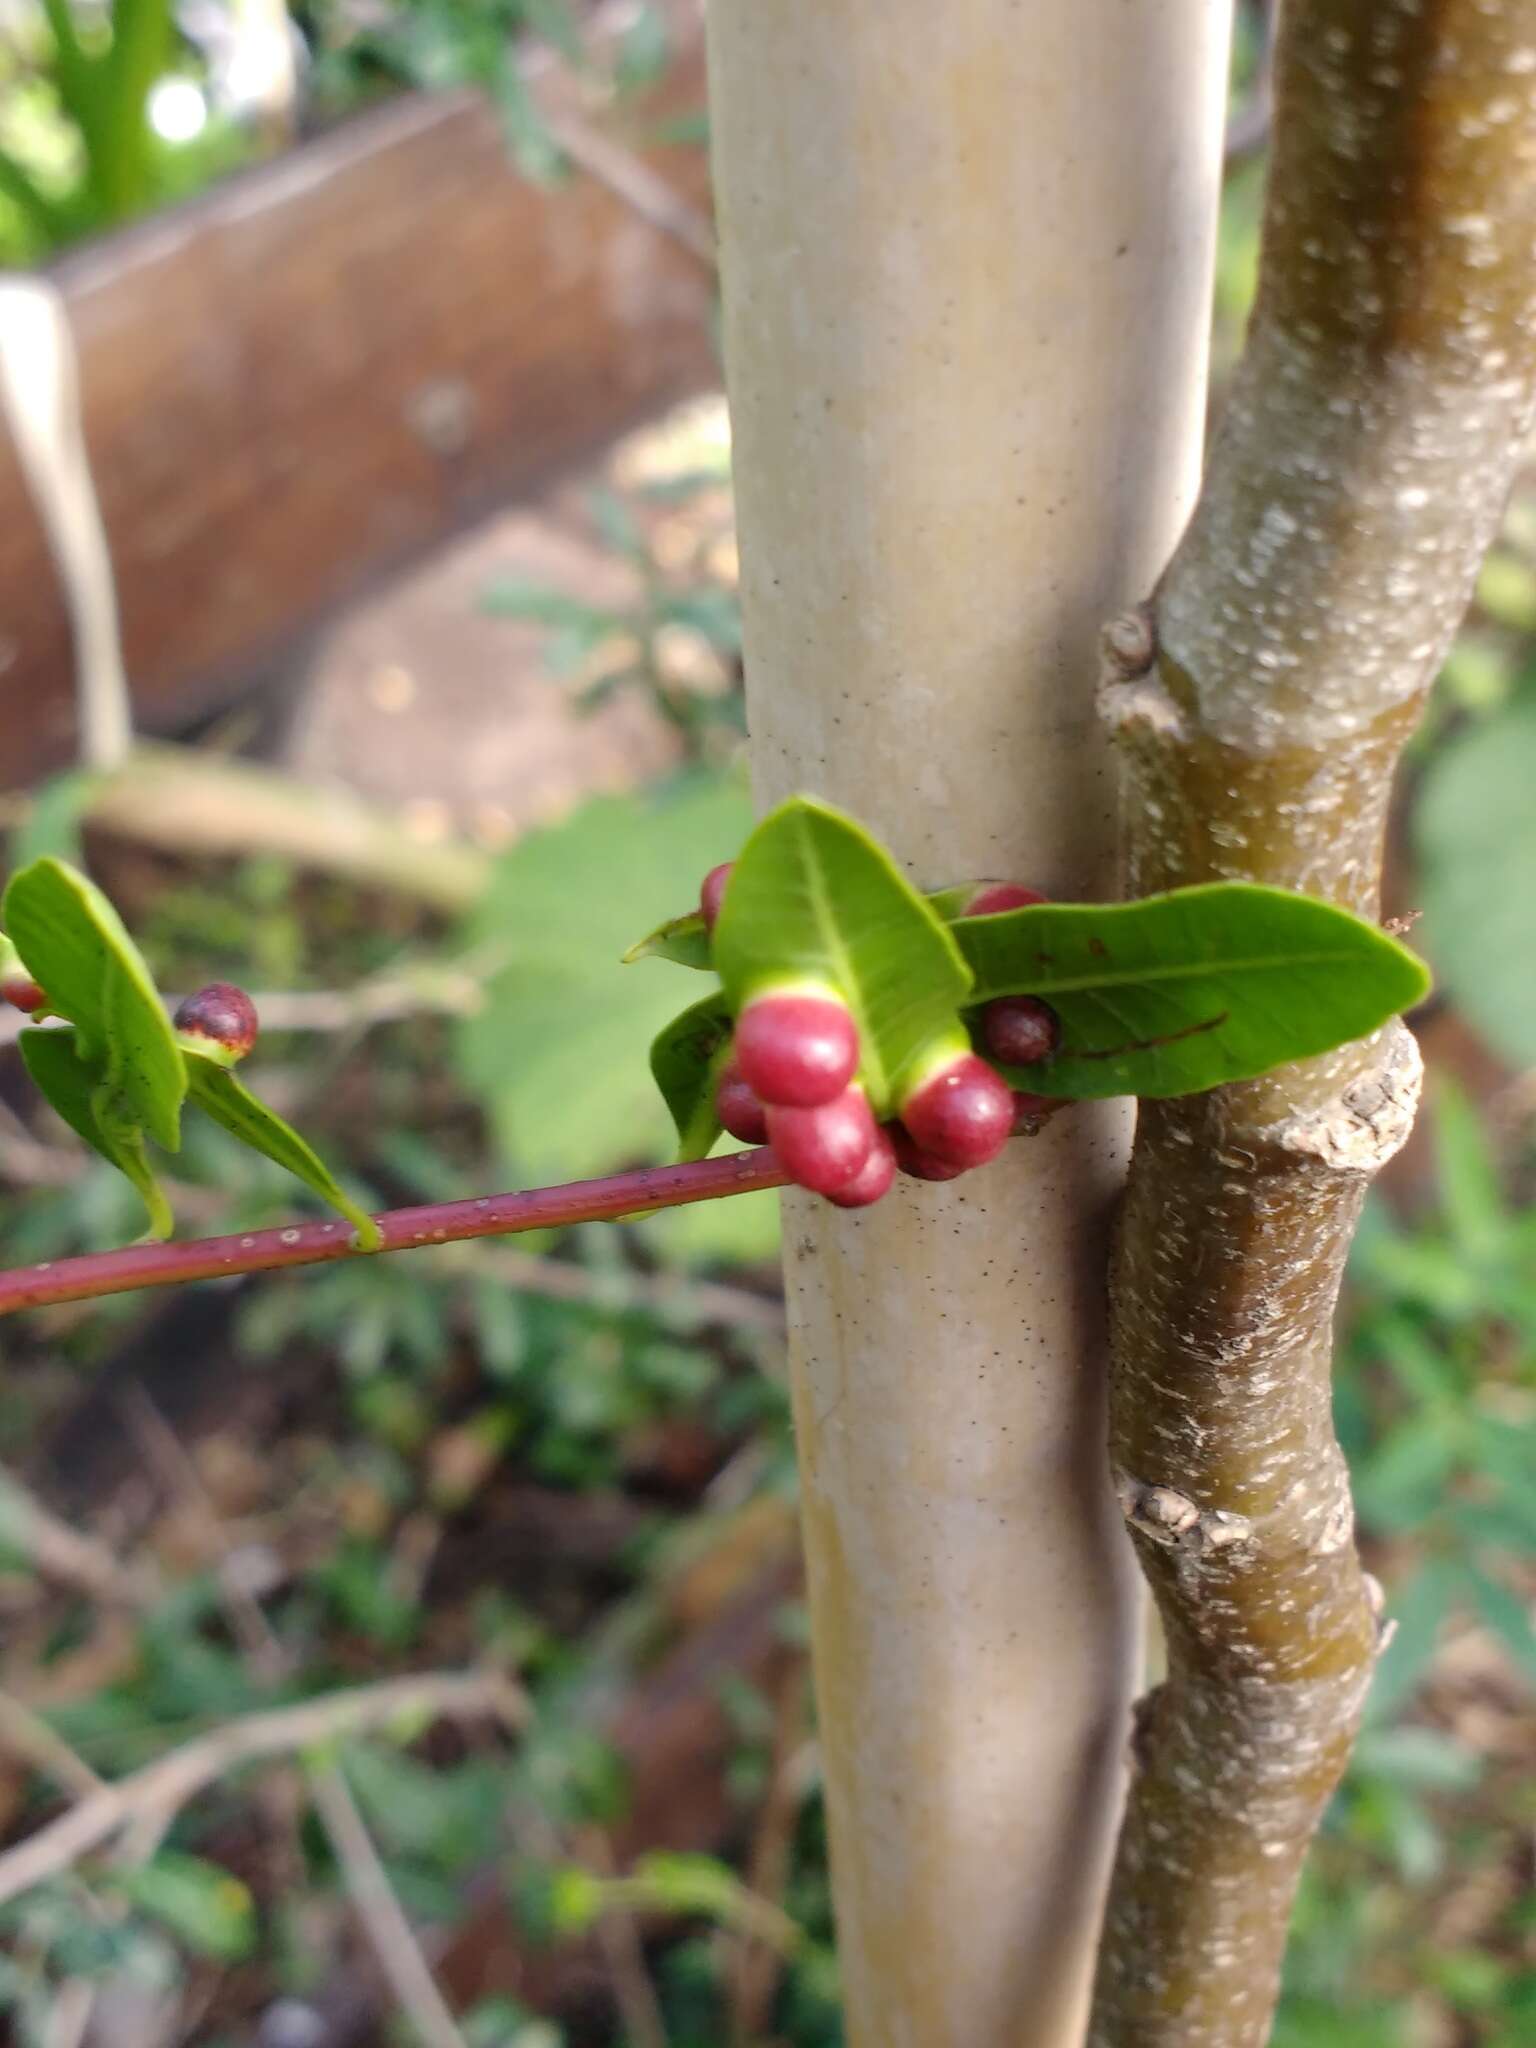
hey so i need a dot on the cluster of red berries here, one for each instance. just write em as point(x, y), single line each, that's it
point(790, 1082)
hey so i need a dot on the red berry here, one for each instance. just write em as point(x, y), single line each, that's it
point(712, 893)
point(873, 1178)
point(1002, 896)
point(826, 1148)
point(738, 1108)
point(1020, 1030)
point(20, 990)
point(962, 1113)
point(917, 1163)
point(1031, 1111)
point(219, 1022)
point(797, 1050)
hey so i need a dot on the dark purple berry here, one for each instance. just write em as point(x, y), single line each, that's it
point(712, 893)
point(826, 1148)
point(873, 1178)
point(797, 1050)
point(1002, 896)
point(963, 1112)
point(918, 1164)
point(739, 1109)
point(219, 1022)
point(1019, 1030)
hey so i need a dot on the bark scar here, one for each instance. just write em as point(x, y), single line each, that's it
point(1363, 1127)
point(1166, 1516)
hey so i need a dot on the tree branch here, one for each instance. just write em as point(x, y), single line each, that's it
point(1261, 701)
point(617, 1195)
point(152, 1796)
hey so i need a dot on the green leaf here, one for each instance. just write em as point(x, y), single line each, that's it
point(812, 894)
point(73, 1085)
point(557, 1051)
point(1182, 992)
point(1508, 1616)
point(686, 1059)
point(683, 940)
point(1475, 828)
point(75, 945)
point(207, 1909)
point(230, 1103)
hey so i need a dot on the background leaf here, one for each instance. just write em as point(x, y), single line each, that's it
point(212, 1912)
point(1476, 822)
point(686, 1059)
point(74, 944)
point(230, 1103)
point(557, 1053)
point(1177, 993)
point(70, 1084)
point(682, 940)
point(812, 894)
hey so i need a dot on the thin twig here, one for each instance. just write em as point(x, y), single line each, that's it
point(66, 1555)
point(162, 1788)
point(630, 179)
point(389, 1932)
point(25, 1734)
point(618, 1936)
point(606, 1200)
point(756, 1964)
point(40, 393)
point(700, 1301)
point(384, 1922)
point(456, 990)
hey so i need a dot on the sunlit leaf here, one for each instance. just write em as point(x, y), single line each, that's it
point(76, 1088)
point(230, 1103)
point(74, 944)
point(812, 894)
point(1182, 992)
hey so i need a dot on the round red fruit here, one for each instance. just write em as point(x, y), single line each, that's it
point(918, 1164)
point(826, 1148)
point(1020, 1030)
point(797, 1050)
point(738, 1107)
point(22, 992)
point(1002, 896)
point(219, 1021)
point(712, 893)
point(962, 1113)
point(873, 1178)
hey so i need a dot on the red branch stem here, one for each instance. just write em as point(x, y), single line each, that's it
point(311, 1244)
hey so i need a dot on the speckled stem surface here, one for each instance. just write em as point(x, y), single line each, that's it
point(1260, 702)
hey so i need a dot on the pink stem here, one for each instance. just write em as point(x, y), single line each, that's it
point(312, 1244)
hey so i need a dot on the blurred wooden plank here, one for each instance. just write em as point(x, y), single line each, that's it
point(312, 374)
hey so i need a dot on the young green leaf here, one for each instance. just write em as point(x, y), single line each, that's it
point(75, 944)
point(230, 1103)
point(686, 1059)
point(80, 1091)
point(813, 895)
point(204, 1906)
point(683, 940)
point(1178, 993)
